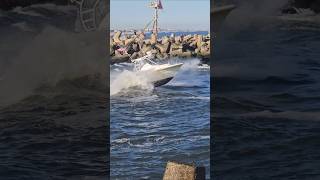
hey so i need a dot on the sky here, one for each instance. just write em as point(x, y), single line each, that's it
point(176, 14)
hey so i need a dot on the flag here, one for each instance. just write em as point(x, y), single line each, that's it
point(160, 5)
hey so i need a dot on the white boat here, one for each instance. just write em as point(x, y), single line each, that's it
point(157, 74)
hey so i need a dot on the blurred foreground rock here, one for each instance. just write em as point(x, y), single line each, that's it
point(178, 171)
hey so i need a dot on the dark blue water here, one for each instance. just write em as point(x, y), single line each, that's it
point(150, 126)
point(266, 110)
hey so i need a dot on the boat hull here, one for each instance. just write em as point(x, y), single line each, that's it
point(163, 74)
point(162, 82)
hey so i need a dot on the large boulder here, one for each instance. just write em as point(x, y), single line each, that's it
point(165, 40)
point(164, 48)
point(153, 39)
point(116, 37)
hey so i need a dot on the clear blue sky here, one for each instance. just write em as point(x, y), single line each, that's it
point(176, 14)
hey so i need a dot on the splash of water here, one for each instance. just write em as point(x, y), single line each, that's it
point(50, 57)
point(190, 65)
point(126, 79)
point(251, 12)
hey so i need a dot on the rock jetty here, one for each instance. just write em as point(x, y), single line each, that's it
point(124, 47)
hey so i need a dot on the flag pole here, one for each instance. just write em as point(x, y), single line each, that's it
point(156, 23)
point(156, 5)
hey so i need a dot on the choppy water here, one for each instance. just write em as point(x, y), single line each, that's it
point(266, 107)
point(53, 105)
point(152, 126)
point(61, 136)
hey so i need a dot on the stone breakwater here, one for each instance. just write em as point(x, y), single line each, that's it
point(122, 48)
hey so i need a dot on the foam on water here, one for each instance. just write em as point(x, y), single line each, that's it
point(190, 65)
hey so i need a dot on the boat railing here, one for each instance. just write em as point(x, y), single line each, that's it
point(138, 63)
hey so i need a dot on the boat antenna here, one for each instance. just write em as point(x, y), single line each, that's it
point(156, 5)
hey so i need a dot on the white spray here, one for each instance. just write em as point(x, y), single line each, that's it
point(126, 79)
point(251, 12)
point(51, 56)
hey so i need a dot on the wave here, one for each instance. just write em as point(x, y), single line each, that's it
point(292, 115)
point(125, 81)
point(152, 140)
point(224, 105)
point(25, 11)
point(274, 80)
point(23, 26)
point(50, 57)
point(39, 16)
point(300, 18)
point(45, 6)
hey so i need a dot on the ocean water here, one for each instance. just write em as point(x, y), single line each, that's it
point(150, 126)
point(179, 33)
point(53, 96)
point(266, 105)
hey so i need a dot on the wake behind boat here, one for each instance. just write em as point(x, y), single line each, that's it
point(299, 14)
point(158, 74)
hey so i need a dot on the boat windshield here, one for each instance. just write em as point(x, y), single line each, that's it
point(140, 62)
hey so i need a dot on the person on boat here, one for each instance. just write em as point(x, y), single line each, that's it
point(120, 49)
